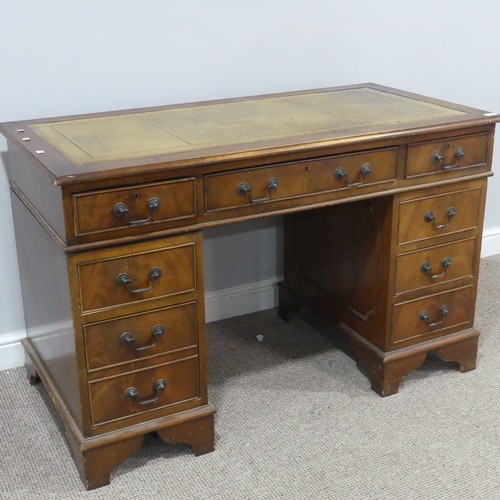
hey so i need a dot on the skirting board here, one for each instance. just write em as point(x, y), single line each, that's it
point(242, 299)
point(221, 304)
point(11, 350)
point(491, 242)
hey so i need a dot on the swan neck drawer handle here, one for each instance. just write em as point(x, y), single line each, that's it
point(430, 217)
point(124, 279)
point(341, 175)
point(133, 393)
point(244, 189)
point(437, 157)
point(127, 338)
point(121, 211)
point(427, 269)
point(443, 313)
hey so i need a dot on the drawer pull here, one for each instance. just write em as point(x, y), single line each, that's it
point(430, 217)
point(341, 174)
point(437, 157)
point(443, 313)
point(121, 210)
point(244, 189)
point(427, 269)
point(159, 386)
point(123, 279)
point(127, 338)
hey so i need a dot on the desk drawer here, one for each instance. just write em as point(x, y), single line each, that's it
point(141, 336)
point(436, 215)
point(132, 207)
point(164, 388)
point(135, 273)
point(435, 265)
point(290, 180)
point(446, 155)
point(439, 313)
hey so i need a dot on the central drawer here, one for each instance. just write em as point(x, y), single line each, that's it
point(295, 179)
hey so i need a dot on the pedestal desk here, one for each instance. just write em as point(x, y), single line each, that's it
point(383, 197)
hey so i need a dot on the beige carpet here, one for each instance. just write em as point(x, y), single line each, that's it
point(296, 420)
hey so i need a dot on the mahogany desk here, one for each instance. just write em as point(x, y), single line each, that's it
point(383, 194)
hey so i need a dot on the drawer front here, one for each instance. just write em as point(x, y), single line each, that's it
point(129, 208)
point(434, 216)
point(435, 265)
point(290, 180)
point(433, 314)
point(446, 155)
point(136, 276)
point(161, 388)
point(141, 336)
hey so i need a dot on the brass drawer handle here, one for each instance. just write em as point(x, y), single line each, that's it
point(427, 269)
point(430, 217)
point(123, 279)
point(341, 174)
point(132, 393)
point(437, 157)
point(443, 313)
point(127, 338)
point(244, 189)
point(121, 210)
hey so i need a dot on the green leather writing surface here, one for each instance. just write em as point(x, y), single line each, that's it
point(232, 123)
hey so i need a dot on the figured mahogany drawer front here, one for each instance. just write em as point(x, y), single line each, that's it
point(447, 154)
point(141, 336)
point(435, 265)
point(137, 276)
point(434, 216)
point(143, 391)
point(290, 180)
point(435, 313)
point(132, 207)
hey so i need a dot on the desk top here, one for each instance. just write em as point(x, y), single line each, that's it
point(212, 131)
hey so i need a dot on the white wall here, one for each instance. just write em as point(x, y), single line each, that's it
point(64, 57)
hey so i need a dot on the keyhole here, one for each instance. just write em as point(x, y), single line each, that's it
point(136, 196)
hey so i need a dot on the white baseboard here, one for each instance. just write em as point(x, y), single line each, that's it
point(11, 350)
point(491, 242)
point(242, 299)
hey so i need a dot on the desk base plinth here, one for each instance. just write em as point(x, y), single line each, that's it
point(386, 370)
